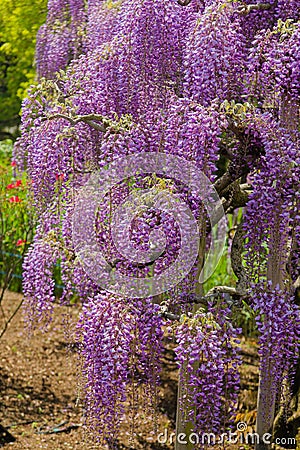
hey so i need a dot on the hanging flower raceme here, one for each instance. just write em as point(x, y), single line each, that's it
point(270, 220)
point(288, 9)
point(152, 73)
point(59, 39)
point(57, 159)
point(215, 56)
point(119, 75)
point(38, 282)
point(193, 132)
point(150, 346)
point(272, 207)
point(102, 23)
point(256, 20)
point(208, 360)
point(278, 321)
point(273, 70)
point(108, 331)
point(121, 347)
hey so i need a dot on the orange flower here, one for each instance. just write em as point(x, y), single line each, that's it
point(18, 183)
point(13, 164)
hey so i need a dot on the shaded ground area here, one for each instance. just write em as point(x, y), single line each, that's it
point(40, 399)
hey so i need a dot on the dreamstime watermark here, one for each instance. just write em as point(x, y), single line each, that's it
point(239, 436)
point(91, 197)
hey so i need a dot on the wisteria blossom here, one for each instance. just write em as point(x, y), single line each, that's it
point(218, 84)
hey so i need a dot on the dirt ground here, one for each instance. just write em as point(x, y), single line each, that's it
point(40, 401)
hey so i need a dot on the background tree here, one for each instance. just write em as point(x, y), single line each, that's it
point(19, 23)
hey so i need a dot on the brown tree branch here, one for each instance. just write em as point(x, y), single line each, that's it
point(170, 316)
point(236, 196)
point(184, 2)
point(223, 182)
point(215, 292)
point(246, 9)
point(234, 296)
point(89, 119)
point(7, 322)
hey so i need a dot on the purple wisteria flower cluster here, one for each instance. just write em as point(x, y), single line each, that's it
point(121, 347)
point(217, 83)
point(63, 29)
point(278, 323)
point(208, 357)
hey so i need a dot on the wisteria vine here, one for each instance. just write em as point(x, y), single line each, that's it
point(217, 83)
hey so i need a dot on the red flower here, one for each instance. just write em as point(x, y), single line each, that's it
point(12, 186)
point(59, 176)
point(13, 164)
point(15, 199)
point(20, 242)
